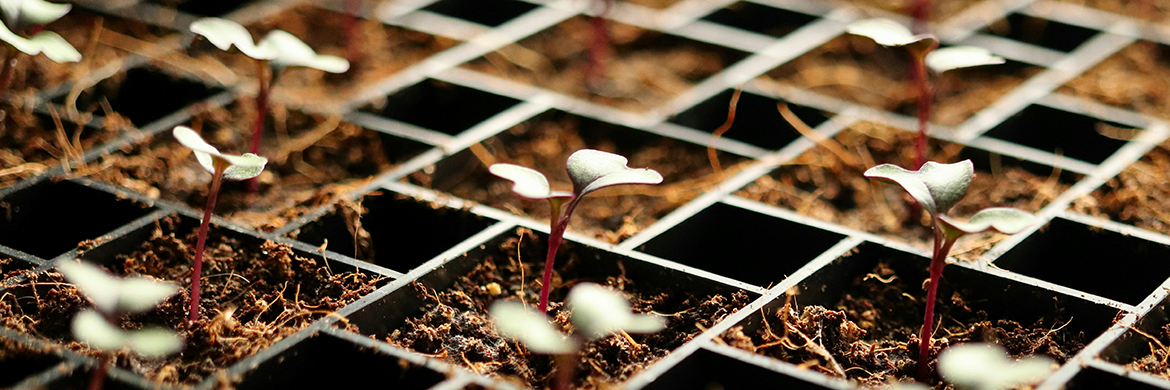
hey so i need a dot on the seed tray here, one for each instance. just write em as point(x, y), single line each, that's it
point(450, 103)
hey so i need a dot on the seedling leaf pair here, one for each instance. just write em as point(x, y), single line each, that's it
point(597, 311)
point(890, 33)
point(241, 167)
point(937, 187)
point(531, 328)
point(980, 366)
point(589, 170)
point(21, 13)
point(279, 47)
point(89, 327)
point(116, 295)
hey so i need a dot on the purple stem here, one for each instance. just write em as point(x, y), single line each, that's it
point(261, 113)
point(598, 44)
point(942, 247)
point(6, 73)
point(558, 223)
point(566, 365)
point(197, 269)
point(925, 96)
point(99, 376)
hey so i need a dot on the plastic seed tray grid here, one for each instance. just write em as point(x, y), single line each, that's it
point(440, 108)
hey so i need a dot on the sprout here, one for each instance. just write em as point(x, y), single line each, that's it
point(589, 170)
point(276, 52)
point(922, 51)
point(19, 14)
point(938, 187)
point(980, 366)
point(596, 310)
point(221, 166)
point(24, 17)
point(113, 298)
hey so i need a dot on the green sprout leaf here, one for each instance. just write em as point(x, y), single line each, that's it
point(956, 57)
point(21, 13)
point(937, 187)
point(110, 294)
point(982, 366)
point(91, 328)
point(531, 328)
point(599, 311)
point(527, 182)
point(241, 167)
point(591, 170)
point(890, 33)
point(224, 33)
point(47, 42)
point(1005, 220)
point(291, 51)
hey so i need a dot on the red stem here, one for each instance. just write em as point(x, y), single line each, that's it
point(566, 365)
point(925, 96)
point(557, 227)
point(99, 376)
point(599, 44)
point(6, 73)
point(920, 11)
point(942, 247)
point(261, 113)
point(353, 8)
point(197, 269)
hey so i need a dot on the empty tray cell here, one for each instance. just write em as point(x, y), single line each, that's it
point(441, 106)
point(204, 7)
point(19, 361)
point(375, 52)
point(1136, 196)
point(1136, 266)
point(444, 313)
point(867, 307)
point(641, 70)
point(248, 284)
point(1041, 32)
point(718, 240)
point(312, 161)
point(1132, 78)
point(1060, 132)
point(757, 119)
point(323, 361)
point(32, 142)
point(142, 95)
point(392, 230)
point(81, 377)
point(50, 218)
point(707, 370)
point(545, 142)
point(760, 19)
point(818, 183)
point(1094, 379)
point(856, 69)
point(490, 13)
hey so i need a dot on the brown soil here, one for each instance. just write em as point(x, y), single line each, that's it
point(643, 69)
point(545, 143)
point(872, 331)
point(253, 295)
point(31, 144)
point(819, 184)
point(1158, 361)
point(1151, 10)
point(312, 161)
point(1136, 78)
point(856, 69)
point(456, 327)
point(382, 51)
point(1136, 196)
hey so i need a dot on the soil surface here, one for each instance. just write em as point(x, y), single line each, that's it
point(455, 325)
point(545, 143)
point(856, 69)
point(820, 184)
point(872, 332)
point(642, 69)
point(253, 295)
point(1135, 78)
point(379, 51)
point(1158, 361)
point(1136, 196)
point(312, 161)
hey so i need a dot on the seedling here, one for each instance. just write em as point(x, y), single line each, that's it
point(596, 312)
point(278, 51)
point(923, 55)
point(937, 187)
point(981, 366)
point(24, 21)
point(598, 44)
point(222, 167)
point(589, 170)
point(114, 298)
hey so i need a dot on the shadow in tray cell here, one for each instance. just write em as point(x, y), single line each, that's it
point(872, 300)
point(1094, 379)
point(18, 361)
point(142, 95)
point(490, 13)
point(203, 7)
point(1100, 262)
point(441, 106)
point(1042, 32)
point(395, 231)
point(742, 244)
point(1061, 132)
point(51, 218)
point(757, 120)
point(707, 370)
point(328, 362)
point(760, 19)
